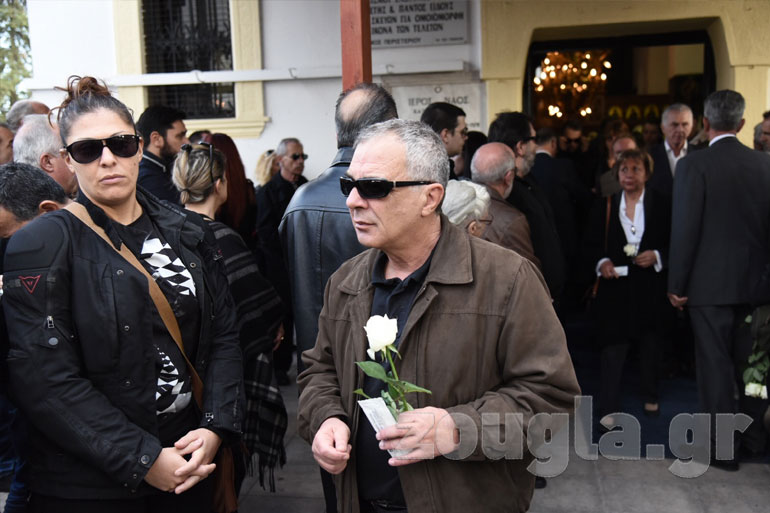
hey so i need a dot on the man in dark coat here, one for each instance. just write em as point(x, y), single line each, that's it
point(719, 251)
point(163, 134)
point(515, 130)
point(570, 200)
point(316, 231)
point(676, 125)
point(272, 200)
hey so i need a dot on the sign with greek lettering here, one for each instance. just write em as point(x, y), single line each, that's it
point(418, 23)
point(412, 100)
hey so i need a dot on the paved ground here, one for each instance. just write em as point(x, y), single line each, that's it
point(602, 486)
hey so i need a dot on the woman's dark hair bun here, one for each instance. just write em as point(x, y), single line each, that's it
point(78, 87)
point(84, 95)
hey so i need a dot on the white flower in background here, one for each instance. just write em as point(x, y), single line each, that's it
point(381, 332)
point(630, 250)
point(756, 390)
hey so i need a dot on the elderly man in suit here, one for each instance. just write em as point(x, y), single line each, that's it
point(676, 124)
point(719, 251)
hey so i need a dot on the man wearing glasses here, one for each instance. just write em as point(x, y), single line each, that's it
point(272, 200)
point(573, 146)
point(475, 327)
point(494, 166)
point(448, 121)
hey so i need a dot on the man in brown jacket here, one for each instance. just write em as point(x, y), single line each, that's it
point(494, 166)
point(475, 326)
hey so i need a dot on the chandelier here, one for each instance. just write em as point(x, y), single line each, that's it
point(566, 83)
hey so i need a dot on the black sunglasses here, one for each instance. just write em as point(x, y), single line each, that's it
point(374, 188)
point(189, 148)
point(296, 156)
point(88, 150)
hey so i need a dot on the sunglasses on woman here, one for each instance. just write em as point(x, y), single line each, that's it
point(88, 150)
point(374, 188)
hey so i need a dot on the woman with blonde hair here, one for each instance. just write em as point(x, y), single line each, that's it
point(267, 167)
point(200, 174)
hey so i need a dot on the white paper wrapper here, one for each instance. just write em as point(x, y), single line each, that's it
point(379, 417)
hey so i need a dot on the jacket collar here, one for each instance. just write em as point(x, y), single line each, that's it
point(167, 217)
point(451, 264)
point(154, 159)
point(343, 157)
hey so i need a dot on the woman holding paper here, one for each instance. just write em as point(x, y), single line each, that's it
point(627, 244)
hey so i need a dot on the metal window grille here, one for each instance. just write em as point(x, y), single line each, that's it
point(186, 35)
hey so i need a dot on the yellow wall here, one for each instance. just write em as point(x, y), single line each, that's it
point(249, 118)
point(737, 28)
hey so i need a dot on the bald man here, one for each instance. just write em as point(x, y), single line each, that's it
point(494, 166)
point(22, 108)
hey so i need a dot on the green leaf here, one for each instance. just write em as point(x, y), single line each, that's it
point(409, 388)
point(360, 391)
point(747, 375)
point(373, 370)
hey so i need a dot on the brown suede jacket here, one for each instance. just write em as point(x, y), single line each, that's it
point(509, 228)
point(482, 336)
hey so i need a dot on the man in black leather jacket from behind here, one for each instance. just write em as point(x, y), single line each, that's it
point(316, 232)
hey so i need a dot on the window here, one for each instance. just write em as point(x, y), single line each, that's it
point(186, 35)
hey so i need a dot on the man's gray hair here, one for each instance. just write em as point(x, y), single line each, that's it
point(426, 156)
point(675, 107)
point(724, 110)
point(34, 138)
point(18, 111)
point(491, 168)
point(282, 147)
point(465, 201)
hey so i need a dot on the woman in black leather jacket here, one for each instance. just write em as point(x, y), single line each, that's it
point(116, 424)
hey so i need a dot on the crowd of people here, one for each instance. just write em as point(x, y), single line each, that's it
point(132, 381)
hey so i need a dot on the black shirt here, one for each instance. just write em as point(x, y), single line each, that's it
point(173, 394)
point(376, 479)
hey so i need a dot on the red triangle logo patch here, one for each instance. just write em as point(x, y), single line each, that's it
point(30, 282)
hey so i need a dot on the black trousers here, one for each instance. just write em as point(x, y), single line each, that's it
point(613, 358)
point(722, 348)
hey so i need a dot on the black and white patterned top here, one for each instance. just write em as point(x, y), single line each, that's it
point(173, 393)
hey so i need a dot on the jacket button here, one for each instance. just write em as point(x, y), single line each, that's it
point(134, 476)
point(53, 341)
point(193, 265)
point(126, 327)
point(144, 460)
point(127, 383)
point(237, 426)
point(119, 272)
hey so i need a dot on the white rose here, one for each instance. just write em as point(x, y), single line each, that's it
point(381, 332)
point(630, 250)
point(756, 390)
